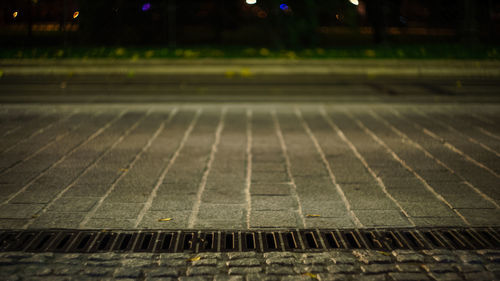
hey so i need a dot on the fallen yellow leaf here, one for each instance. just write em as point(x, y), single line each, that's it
point(123, 170)
point(384, 253)
point(165, 219)
point(197, 258)
point(313, 215)
point(312, 275)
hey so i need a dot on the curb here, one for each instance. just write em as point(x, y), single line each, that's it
point(250, 67)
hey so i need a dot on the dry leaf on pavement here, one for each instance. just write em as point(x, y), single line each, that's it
point(197, 258)
point(312, 275)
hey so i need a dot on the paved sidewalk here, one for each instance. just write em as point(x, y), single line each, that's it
point(249, 166)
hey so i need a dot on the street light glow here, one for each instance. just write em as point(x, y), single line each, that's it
point(355, 2)
point(76, 14)
point(251, 2)
point(14, 14)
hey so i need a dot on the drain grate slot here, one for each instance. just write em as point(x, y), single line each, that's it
point(89, 241)
point(352, 240)
point(373, 241)
point(455, 239)
point(434, 240)
point(124, 242)
point(472, 239)
point(208, 242)
point(166, 242)
point(332, 240)
point(271, 241)
point(414, 240)
point(41, 242)
point(104, 242)
point(229, 241)
point(145, 242)
point(83, 242)
point(392, 240)
point(489, 237)
point(20, 241)
point(291, 241)
point(311, 240)
point(249, 241)
point(62, 242)
point(188, 241)
point(7, 239)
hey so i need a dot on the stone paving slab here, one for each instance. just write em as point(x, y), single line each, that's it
point(244, 166)
point(336, 265)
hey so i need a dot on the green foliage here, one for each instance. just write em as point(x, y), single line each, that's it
point(438, 51)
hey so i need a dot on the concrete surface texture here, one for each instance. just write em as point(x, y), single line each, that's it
point(246, 166)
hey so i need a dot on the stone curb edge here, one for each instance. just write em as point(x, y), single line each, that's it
point(368, 68)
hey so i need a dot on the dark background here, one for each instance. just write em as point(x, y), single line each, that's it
point(314, 23)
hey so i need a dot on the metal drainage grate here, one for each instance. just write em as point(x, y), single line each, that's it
point(160, 241)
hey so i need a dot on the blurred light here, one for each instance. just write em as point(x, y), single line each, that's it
point(146, 6)
point(251, 2)
point(284, 7)
point(355, 2)
point(76, 14)
point(14, 14)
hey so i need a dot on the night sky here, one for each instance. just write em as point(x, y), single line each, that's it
point(291, 23)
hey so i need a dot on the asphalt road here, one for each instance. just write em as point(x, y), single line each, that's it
point(136, 88)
